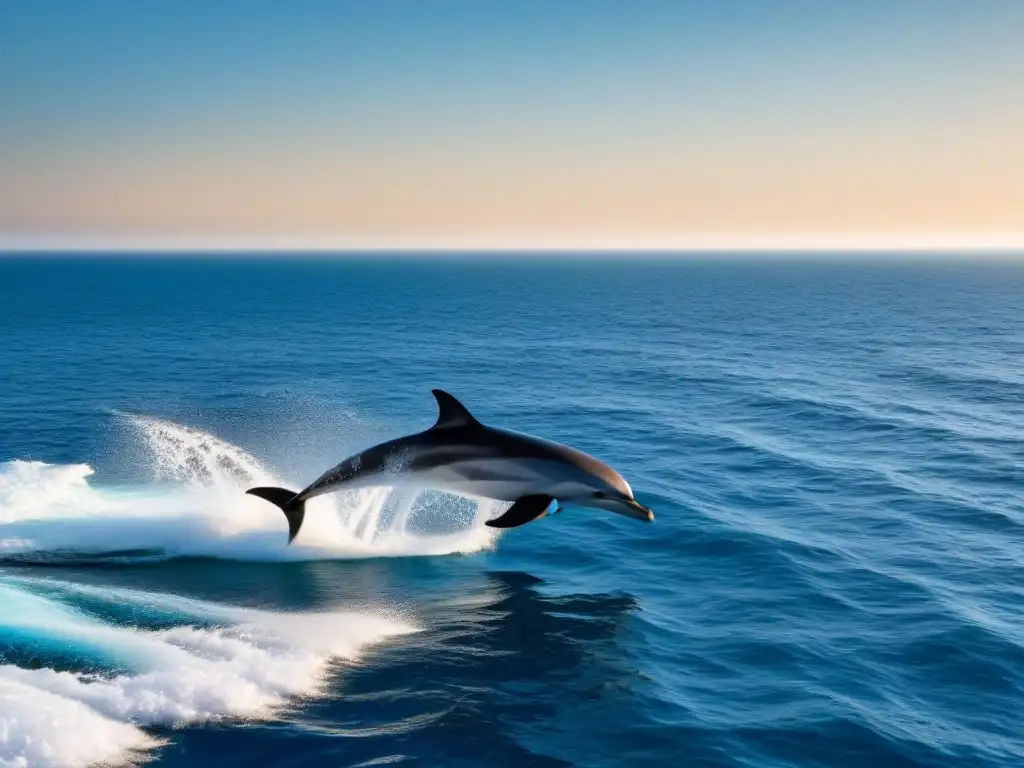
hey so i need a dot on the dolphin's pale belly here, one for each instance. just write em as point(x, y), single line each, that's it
point(506, 479)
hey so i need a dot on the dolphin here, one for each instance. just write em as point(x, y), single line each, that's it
point(462, 456)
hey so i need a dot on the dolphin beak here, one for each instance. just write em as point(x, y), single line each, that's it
point(621, 505)
point(634, 509)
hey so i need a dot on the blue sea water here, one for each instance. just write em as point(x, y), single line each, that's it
point(834, 453)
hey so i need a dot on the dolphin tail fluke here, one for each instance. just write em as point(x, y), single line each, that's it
point(294, 510)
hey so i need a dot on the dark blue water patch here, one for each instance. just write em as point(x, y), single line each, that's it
point(46, 648)
point(125, 609)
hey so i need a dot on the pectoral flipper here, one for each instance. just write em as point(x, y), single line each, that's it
point(525, 510)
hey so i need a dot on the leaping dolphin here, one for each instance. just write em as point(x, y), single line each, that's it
point(460, 455)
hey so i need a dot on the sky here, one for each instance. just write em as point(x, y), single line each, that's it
point(511, 124)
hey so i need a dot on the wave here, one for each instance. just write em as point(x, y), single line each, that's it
point(194, 506)
point(207, 662)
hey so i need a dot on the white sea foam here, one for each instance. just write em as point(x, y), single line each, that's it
point(196, 506)
point(249, 663)
point(218, 662)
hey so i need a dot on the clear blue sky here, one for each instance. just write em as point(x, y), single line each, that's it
point(528, 119)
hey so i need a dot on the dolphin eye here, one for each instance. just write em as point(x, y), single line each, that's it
point(600, 495)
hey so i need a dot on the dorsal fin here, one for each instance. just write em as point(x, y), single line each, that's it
point(451, 413)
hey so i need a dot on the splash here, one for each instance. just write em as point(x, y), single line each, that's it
point(29, 486)
point(216, 662)
point(196, 506)
point(185, 455)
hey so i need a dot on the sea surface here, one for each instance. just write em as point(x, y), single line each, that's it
point(834, 452)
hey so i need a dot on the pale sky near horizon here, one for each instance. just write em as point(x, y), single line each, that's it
point(529, 122)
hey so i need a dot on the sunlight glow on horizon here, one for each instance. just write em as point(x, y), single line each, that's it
point(1011, 246)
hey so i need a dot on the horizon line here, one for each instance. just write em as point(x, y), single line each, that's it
point(226, 244)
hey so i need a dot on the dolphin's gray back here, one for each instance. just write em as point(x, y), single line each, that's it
point(364, 469)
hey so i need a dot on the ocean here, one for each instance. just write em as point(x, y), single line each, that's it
point(834, 451)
